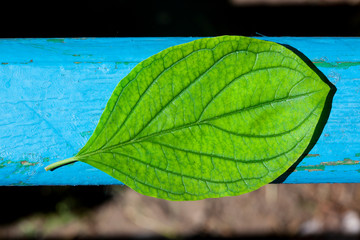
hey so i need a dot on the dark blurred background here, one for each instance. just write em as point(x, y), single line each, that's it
point(129, 18)
point(286, 211)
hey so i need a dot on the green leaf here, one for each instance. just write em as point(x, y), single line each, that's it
point(214, 117)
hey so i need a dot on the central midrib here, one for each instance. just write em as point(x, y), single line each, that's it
point(199, 122)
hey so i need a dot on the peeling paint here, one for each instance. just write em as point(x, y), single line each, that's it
point(346, 161)
point(322, 165)
point(26, 163)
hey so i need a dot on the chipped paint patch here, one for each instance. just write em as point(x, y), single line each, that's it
point(26, 163)
point(346, 161)
point(321, 166)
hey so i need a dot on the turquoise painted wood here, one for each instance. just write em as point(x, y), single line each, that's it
point(53, 92)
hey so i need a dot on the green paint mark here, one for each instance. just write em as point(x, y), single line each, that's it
point(21, 183)
point(87, 62)
point(321, 166)
point(357, 155)
point(125, 63)
point(339, 65)
point(46, 159)
point(311, 168)
point(312, 155)
point(4, 163)
point(86, 133)
point(56, 40)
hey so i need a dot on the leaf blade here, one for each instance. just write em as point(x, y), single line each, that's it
point(214, 117)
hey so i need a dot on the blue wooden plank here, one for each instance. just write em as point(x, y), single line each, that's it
point(53, 92)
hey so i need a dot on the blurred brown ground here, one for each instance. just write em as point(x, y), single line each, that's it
point(274, 210)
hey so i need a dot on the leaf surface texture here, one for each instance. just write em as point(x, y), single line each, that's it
point(214, 117)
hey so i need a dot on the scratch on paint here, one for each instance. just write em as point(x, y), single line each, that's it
point(49, 124)
point(321, 166)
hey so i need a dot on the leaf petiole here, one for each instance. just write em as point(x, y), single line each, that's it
point(61, 163)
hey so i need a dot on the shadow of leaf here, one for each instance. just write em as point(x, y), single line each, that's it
point(323, 118)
